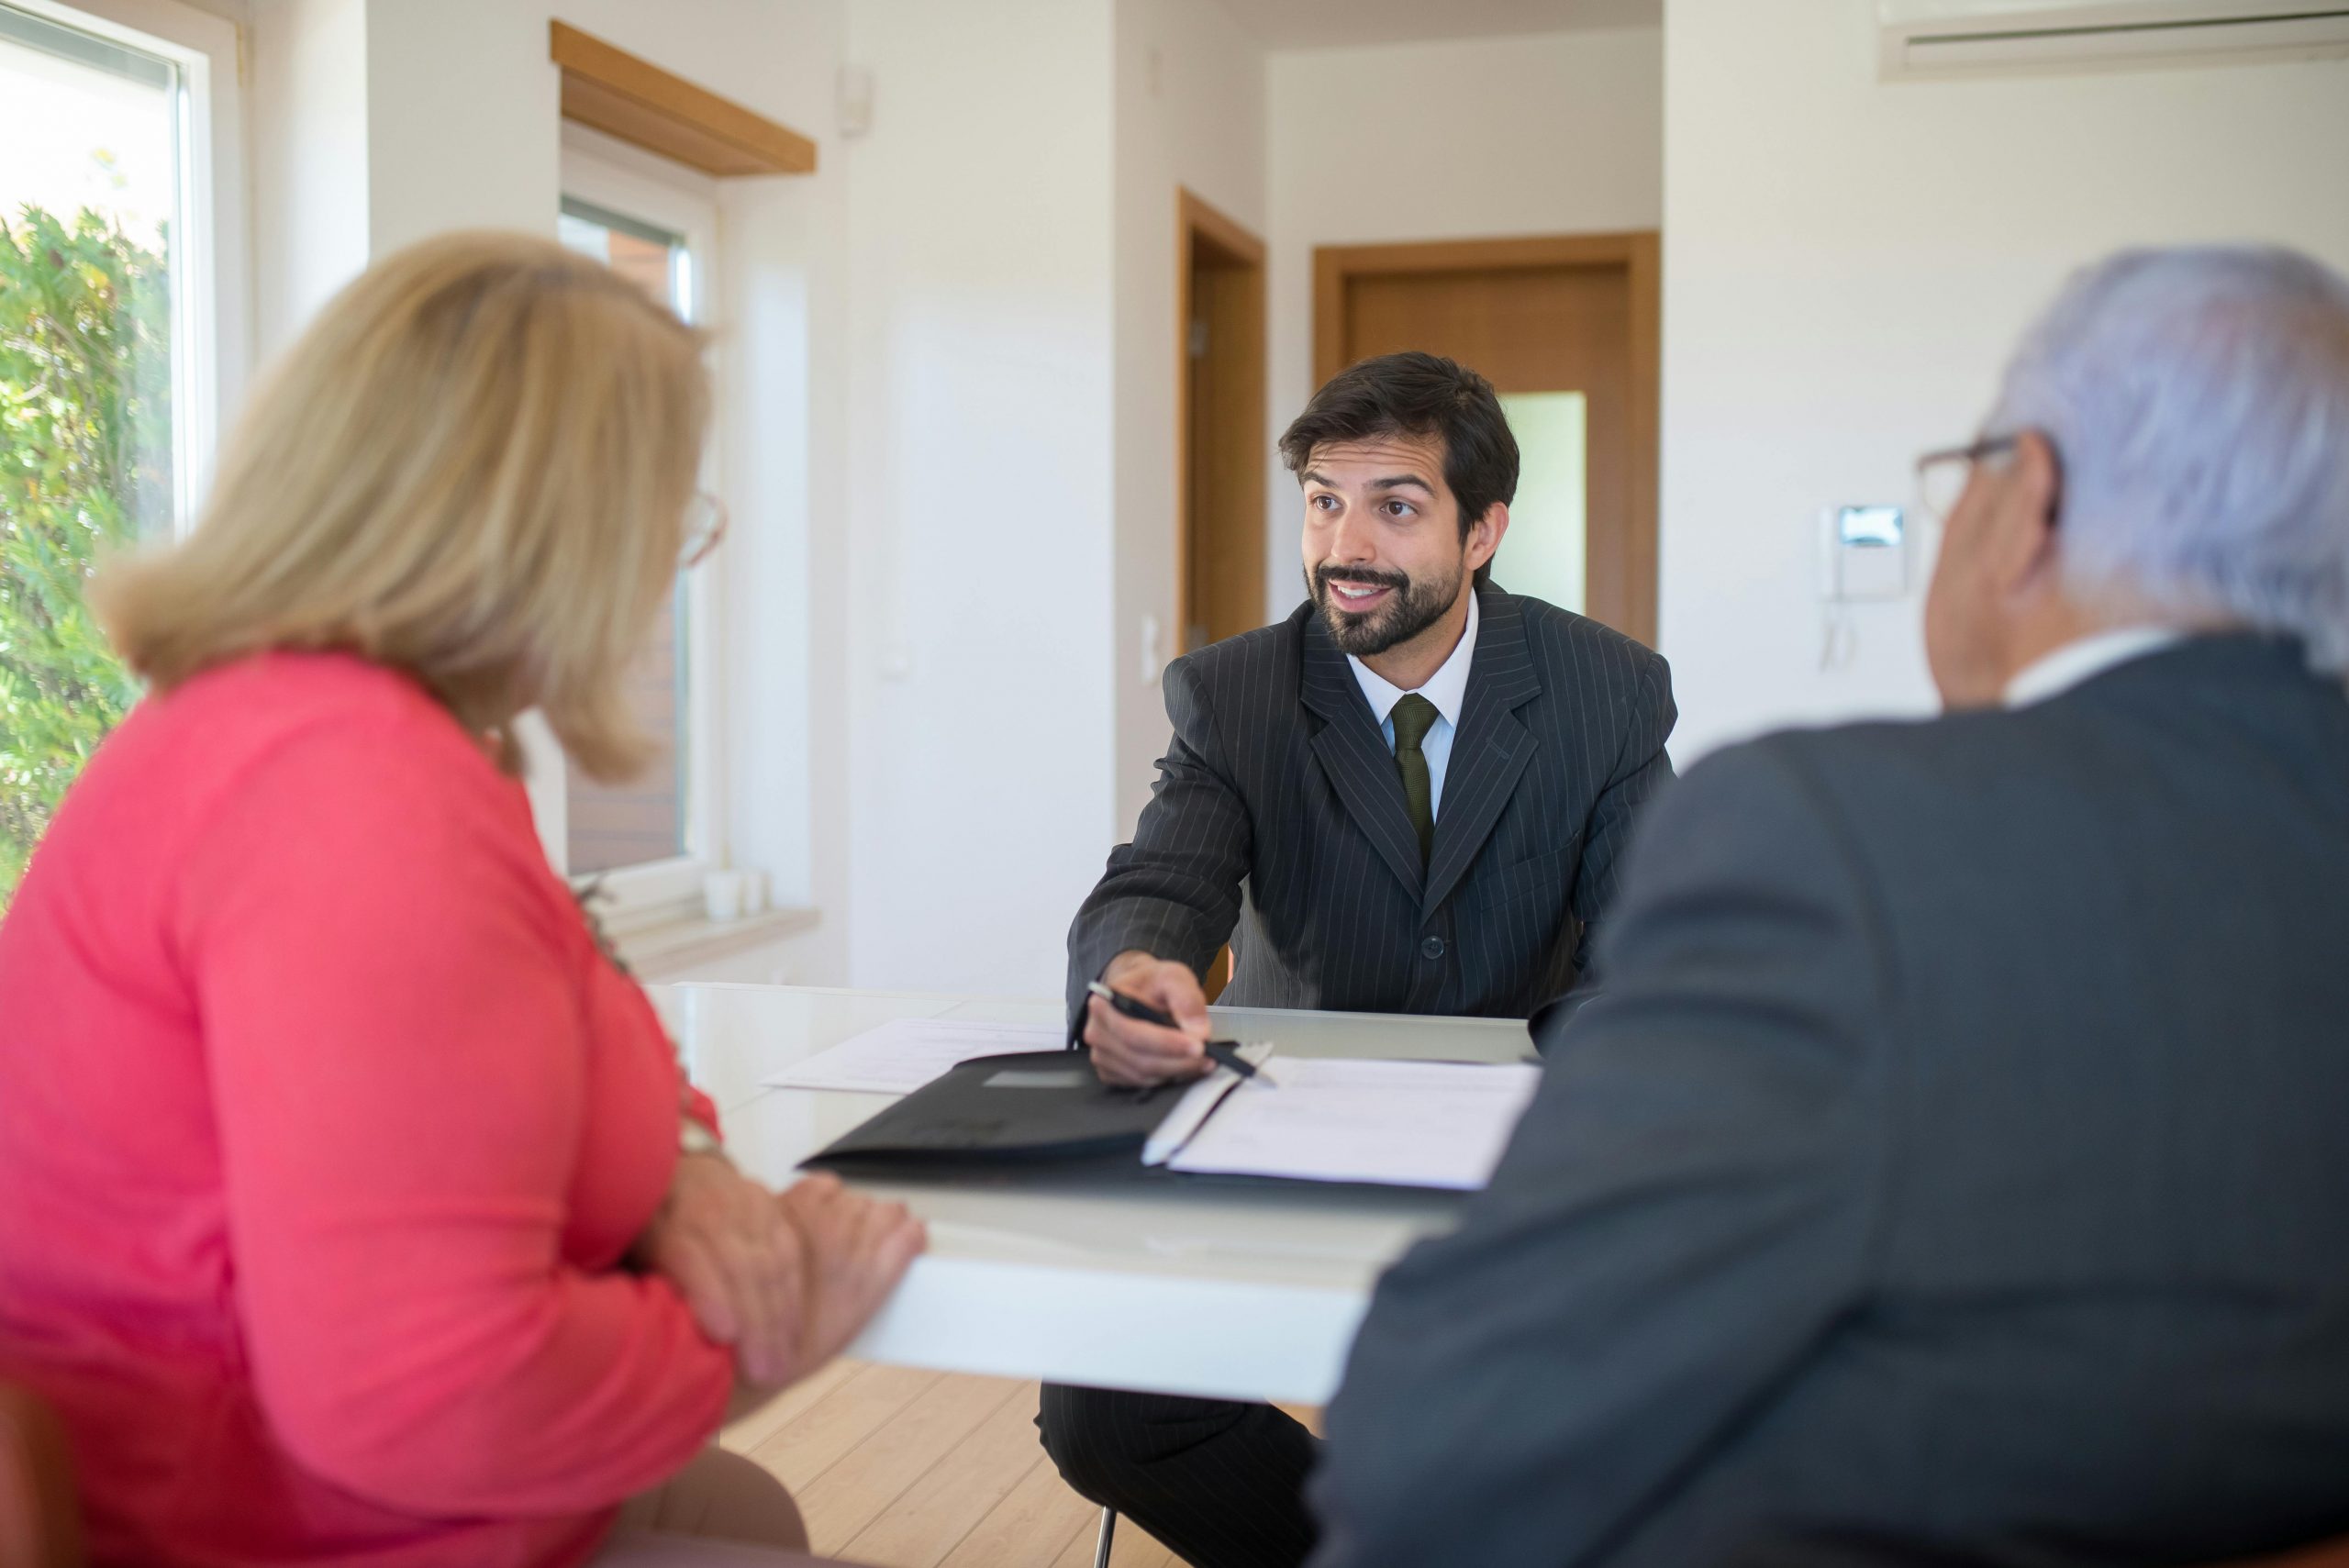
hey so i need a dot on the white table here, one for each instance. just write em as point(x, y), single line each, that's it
point(1251, 1292)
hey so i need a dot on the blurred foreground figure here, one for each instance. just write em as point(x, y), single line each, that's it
point(355, 1210)
point(1951, 1170)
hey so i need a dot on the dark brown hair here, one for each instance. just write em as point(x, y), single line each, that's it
point(1420, 395)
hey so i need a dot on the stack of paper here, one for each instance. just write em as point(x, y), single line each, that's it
point(905, 1053)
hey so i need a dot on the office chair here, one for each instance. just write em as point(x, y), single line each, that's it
point(40, 1525)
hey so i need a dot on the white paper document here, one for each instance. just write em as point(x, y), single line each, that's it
point(1199, 1103)
point(1411, 1124)
point(905, 1053)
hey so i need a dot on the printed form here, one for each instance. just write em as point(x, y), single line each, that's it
point(1410, 1124)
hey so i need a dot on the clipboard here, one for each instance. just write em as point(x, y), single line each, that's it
point(1045, 1116)
point(1036, 1107)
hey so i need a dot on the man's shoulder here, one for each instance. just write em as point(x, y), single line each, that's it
point(2103, 730)
point(1270, 655)
point(1894, 788)
point(1937, 747)
point(1554, 636)
point(1593, 680)
point(1887, 802)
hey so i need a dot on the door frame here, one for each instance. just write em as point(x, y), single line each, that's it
point(1201, 228)
point(1640, 253)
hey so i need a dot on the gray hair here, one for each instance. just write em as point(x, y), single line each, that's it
point(2199, 399)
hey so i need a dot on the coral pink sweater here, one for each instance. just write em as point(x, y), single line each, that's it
point(323, 1129)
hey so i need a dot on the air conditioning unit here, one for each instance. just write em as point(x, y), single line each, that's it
point(1972, 38)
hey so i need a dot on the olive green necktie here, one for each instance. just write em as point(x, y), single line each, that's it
point(1414, 716)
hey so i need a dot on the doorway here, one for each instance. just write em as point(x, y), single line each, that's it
point(1566, 328)
point(1220, 464)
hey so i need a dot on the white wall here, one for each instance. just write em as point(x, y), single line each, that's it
point(462, 126)
point(308, 130)
point(1190, 114)
point(1553, 134)
point(1847, 264)
point(980, 497)
point(786, 621)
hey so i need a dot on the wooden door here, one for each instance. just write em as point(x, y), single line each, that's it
point(1220, 464)
point(1573, 314)
point(1221, 351)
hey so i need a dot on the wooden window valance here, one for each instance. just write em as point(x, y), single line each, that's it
point(613, 91)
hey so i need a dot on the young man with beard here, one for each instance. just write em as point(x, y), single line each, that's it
point(1410, 797)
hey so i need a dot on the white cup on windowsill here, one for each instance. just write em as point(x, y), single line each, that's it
point(726, 895)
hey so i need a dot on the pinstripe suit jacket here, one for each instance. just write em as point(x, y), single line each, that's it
point(1279, 823)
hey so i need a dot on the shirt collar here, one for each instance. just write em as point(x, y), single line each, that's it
point(1447, 688)
point(2076, 662)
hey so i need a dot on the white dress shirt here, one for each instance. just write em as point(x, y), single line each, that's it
point(2054, 674)
point(1447, 688)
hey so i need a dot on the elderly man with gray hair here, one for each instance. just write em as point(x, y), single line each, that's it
point(1953, 1169)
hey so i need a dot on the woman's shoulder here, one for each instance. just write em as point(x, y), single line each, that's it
point(325, 707)
point(334, 732)
point(287, 687)
point(285, 767)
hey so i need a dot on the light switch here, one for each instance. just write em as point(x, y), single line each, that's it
point(1153, 657)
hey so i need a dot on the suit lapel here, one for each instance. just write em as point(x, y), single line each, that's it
point(1352, 751)
point(1492, 749)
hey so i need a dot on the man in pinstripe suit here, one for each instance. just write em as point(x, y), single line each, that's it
point(1410, 796)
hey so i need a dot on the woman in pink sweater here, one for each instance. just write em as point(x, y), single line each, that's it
point(345, 1218)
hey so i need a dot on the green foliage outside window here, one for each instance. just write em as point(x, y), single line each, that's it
point(85, 457)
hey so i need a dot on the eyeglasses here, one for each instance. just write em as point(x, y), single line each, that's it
point(705, 525)
point(1941, 475)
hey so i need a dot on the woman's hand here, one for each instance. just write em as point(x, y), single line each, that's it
point(856, 1249)
point(786, 1281)
point(727, 1246)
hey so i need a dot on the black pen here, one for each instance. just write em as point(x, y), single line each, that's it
point(1226, 1051)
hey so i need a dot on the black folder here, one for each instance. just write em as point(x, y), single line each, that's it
point(1037, 1108)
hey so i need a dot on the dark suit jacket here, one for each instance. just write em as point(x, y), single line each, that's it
point(1278, 777)
point(1955, 1168)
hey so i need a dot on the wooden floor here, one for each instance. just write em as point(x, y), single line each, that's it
point(904, 1469)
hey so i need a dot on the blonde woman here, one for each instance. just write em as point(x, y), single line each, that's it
point(346, 1217)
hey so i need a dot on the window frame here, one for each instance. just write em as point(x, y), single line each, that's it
point(603, 171)
point(210, 266)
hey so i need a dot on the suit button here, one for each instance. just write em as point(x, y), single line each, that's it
point(1431, 947)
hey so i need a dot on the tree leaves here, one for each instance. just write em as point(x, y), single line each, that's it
point(85, 456)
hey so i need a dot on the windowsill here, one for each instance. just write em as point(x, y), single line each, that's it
point(695, 939)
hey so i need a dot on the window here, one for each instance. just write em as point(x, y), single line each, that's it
point(651, 839)
point(118, 307)
point(1544, 553)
